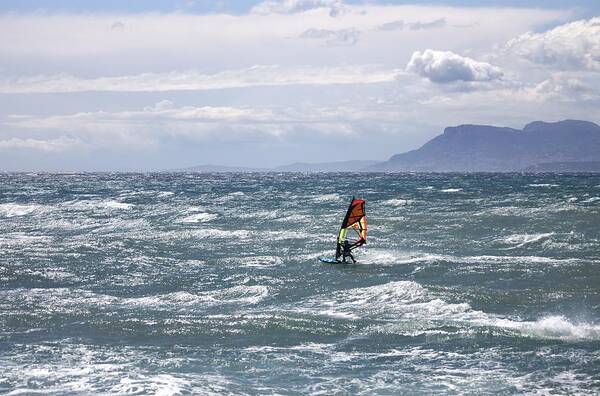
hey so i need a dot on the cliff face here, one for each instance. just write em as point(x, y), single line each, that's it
point(483, 148)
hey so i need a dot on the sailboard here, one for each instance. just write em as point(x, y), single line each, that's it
point(356, 220)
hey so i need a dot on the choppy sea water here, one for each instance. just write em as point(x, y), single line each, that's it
point(211, 284)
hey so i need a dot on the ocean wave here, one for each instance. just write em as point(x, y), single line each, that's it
point(451, 190)
point(105, 204)
point(326, 198)
point(542, 185)
point(258, 261)
point(591, 200)
point(216, 233)
point(552, 327)
point(402, 301)
point(521, 240)
point(75, 300)
point(14, 210)
point(529, 211)
point(161, 384)
point(202, 217)
point(393, 300)
point(257, 214)
point(394, 257)
point(183, 299)
point(397, 202)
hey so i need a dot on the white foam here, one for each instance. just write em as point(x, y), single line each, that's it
point(529, 212)
point(115, 205)
point(258, 214)
point(392, 257)
point(398, 202)
point(521, 240)
point(13, 210)
point(451, 190)
point(106, 204)
point(242, 293)
point(159, 385)
point(295, 218)
point(542, 185)
point(199, 218)
point(327, 198)
point(260, 261)
point(401, 302)
point(592, 199)
point(225, 234)
point(552, 327)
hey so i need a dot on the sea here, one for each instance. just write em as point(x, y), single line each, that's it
point(211, 284)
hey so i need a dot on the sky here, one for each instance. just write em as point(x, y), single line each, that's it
point(155, 84)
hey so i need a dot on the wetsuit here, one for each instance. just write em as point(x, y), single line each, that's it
point(346, 252)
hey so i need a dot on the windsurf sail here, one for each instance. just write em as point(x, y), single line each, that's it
point(356, 219)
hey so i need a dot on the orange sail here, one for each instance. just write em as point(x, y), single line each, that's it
point(355, 219)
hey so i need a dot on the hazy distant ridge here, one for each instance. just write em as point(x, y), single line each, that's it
point(484, 148)
point(339, 166)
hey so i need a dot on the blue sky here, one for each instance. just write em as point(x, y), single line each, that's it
point(140, 85)
point(587, 7)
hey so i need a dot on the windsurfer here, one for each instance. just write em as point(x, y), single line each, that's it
point(346, 252)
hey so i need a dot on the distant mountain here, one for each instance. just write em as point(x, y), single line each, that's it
point(483, 148)
point(219, 169)
point(565, 167)
point(341, 166)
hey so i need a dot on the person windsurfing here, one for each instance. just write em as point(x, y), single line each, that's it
point(347, 252)
point(355, 220)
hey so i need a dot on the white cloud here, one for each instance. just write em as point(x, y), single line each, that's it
point(574, 45)
point(394, 25)
point(335, 7)
point(438, 23)
point(255, 76)
point(301, 90)
point(562, 87)
point(333, 37)
point(145, 129)
point(50, 145)
point(446, 67)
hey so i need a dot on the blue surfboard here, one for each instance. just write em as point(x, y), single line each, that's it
point(329, 260)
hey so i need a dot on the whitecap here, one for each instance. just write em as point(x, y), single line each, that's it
point(521, 240)
point(199, 218)
point(217, 233)
point(451, 190)
point(397, 202)
point(542, 185)
point(160, 385)
point(552, 327)
point(590, 200)
point(260, 261)
point(99, 204)
point(14, 210)
point(327, 198)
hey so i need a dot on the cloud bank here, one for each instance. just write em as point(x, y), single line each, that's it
point(445, 67)
point(255, 76)
point(574, 45)
point(335, 7)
